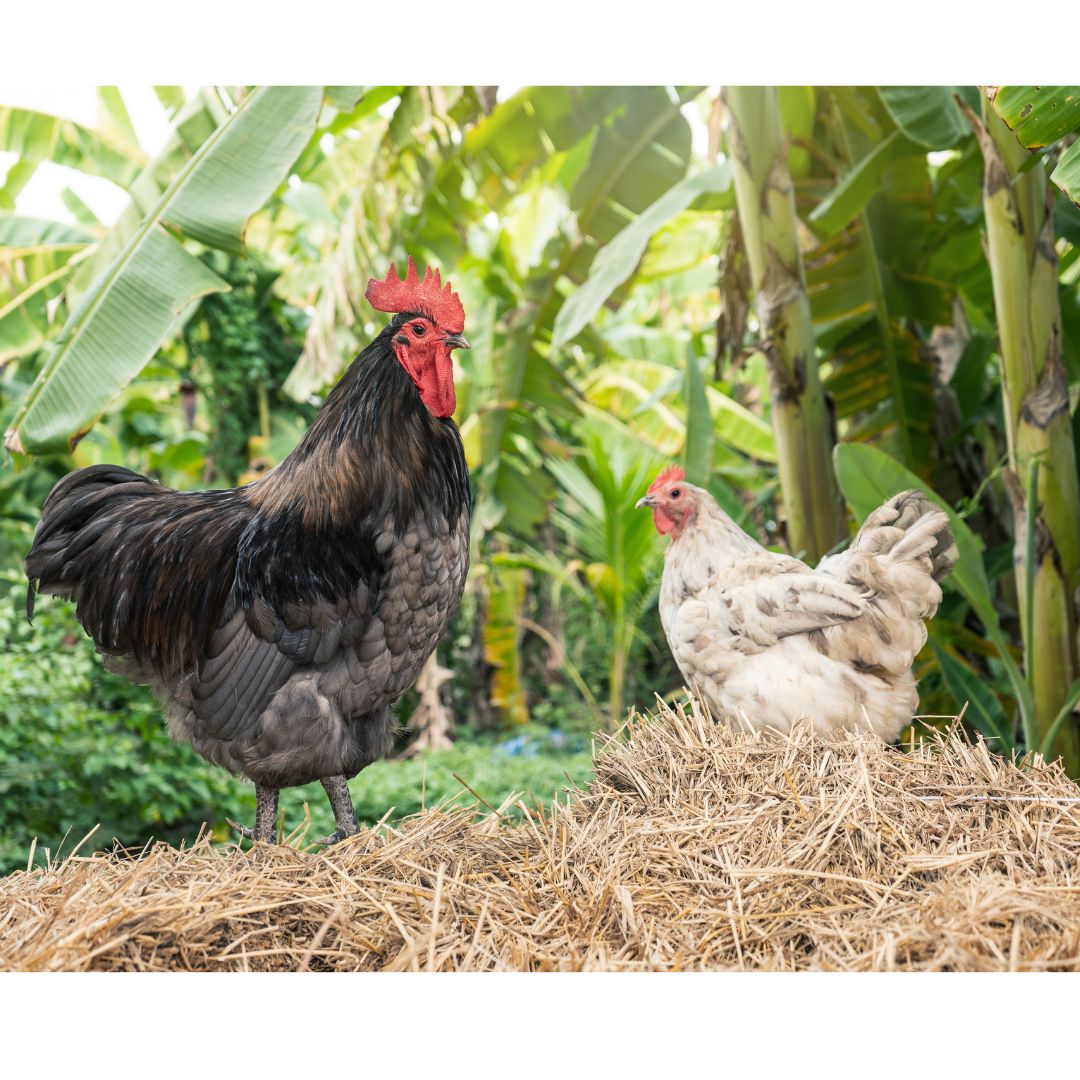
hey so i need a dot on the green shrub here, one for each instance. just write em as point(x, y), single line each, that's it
point(535, 762)
point(81, 747)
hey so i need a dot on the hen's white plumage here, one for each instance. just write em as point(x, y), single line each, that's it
point(766, 639)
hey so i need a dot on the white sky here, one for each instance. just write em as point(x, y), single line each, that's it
point(41, 196)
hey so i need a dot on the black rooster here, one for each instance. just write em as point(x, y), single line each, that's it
point(278, 622)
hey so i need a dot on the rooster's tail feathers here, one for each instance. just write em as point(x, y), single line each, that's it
point(75, 514)
point(132, 555)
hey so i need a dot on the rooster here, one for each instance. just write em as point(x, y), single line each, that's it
point(765, 639)
point(278, 622)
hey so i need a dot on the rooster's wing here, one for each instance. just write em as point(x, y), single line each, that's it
point(255, 651)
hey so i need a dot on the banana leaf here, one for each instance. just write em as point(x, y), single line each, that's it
point(124, 316)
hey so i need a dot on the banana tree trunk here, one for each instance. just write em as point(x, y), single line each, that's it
point(766, 204)
point(1023, 262)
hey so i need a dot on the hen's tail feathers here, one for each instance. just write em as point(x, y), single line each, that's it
point(910, 526)
point(149, 568)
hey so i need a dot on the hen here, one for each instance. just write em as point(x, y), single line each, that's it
point(765, 639)
point(278, 622)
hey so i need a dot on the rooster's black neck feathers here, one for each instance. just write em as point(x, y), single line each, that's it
point(374, 457)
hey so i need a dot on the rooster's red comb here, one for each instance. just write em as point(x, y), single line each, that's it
point(670, 474)
point(429, 296)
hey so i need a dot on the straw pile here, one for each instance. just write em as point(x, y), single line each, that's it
point(696, 847)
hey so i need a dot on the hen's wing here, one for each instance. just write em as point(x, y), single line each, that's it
point(764, 600)
point(866, 606)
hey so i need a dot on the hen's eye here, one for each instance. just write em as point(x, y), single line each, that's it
point(675, 493)
point(419, 329)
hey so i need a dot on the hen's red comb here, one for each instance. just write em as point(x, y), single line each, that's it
point(671, 473)
point(428, 296)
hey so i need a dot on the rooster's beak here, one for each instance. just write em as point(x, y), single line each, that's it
point(646, 500)
point(457, 341)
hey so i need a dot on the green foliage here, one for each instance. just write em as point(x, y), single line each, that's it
point(700, 433)
point(857, 187)
point(535, 763)
point(617, 261)
point(502, 635)
point(984, 710)
point(873, 285)
point(613, 541)
point(1041, 116)
point(241, 345)
point(130, 308)
point(928, 115)
point(38, 137)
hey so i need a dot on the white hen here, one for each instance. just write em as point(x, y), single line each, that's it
point(766, 639)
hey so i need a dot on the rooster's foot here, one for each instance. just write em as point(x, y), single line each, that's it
point(337, 791)
point(266, 806)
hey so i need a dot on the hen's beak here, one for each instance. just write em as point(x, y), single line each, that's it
point(457, 341)
point(645, 500)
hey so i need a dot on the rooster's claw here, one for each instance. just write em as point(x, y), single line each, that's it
point(243, 830)
point(335, 838)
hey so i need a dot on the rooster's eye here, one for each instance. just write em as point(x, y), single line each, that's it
point(419, 329)
point(675, 493)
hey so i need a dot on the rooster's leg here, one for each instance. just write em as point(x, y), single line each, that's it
point(266, 805)
point(337, 791)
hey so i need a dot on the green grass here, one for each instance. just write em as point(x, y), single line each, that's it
point(534, 763)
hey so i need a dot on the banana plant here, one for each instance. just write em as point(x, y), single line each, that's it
point(47, 274)
point(876, 290)
point(651, 399)
point(136, 299)
point(1040, 117)
point(619, 258)
point(614, 543)
point(1042, 479)
point(614, 558)
point(502, 633)
point(37, 137)
point(36, 258)
point(763, 188)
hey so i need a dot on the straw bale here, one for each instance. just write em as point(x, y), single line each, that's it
point(695, 847)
